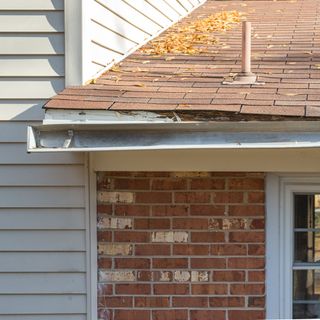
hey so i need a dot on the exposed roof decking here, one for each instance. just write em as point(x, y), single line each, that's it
point(286, 56)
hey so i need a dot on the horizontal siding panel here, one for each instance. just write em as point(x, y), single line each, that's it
point(174, 4)
point(148, 10)
point(103, 56)
point(31, 44)
point(186, 4)
point(42, 283)
point(30, 88)
point(35, 197)
point(42, 175)
point(48, 240)
point(22, 110)
point(131, 15)
point(110, 39)
point(108, 19)
point(32, 21)
point(163, 7)
point(17, 154)
point(42, 261)
point(45, 66)
point(43, 304)
point(31, 5)
point(45, 219)
point(44, 317)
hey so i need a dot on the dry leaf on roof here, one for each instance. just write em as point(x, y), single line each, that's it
point(139, 85)
point(192, 38)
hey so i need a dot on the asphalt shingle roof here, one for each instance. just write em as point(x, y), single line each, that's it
point(286, 56)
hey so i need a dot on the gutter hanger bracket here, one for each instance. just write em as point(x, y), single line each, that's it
point(68, 141)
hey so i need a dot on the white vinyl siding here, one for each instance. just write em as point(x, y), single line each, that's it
point(118, 27)
point(43, 259)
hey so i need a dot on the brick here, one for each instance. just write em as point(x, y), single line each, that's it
point(226, 302)
point(169, 184)
point(227, 197)
point(246, 314)
point(169, 315)
point(131, 314)
point(246, 263)
point(256, 276)
point(115, 302)
point(115, 197)
point(247, 289)
point(153, 197)
point(207, 210)
point(105, 222)
point(190, 249)
point(131, 236)
point(152, 250)
point(170, 236)
point(190, 223)
point(104, 209)
point(163, 276)
point(207, 314)
point(145, 276)
point(243, 236)
point(131, 184)
point(104, 263)
point(256, 302)
point(256, 197)
point(114, 249)
point(104, 236)
point(151, 302)
point(192, 197)
point(256, 249)
point(152, 224)
point(228, 276)
point(207, 184)
point(199, 276)
point(228, 249)
point(169, 211)
point(257, 224)
point(246, 184)
point(236, 223)
point(209, 237)
point(181, 276)
point(208, 263)
point(105, 314)
point(132, 288)
point(104, 289)
point(169, 263)
point(215, 224)
point(171, 289)
point(211, 289)
point(132, 263)
point(246, 210)
point(116, 276)
point(132, 210)
point(198, 302)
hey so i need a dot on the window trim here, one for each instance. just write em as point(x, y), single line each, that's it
point(279, 238)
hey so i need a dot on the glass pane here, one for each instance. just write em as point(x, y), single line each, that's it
point(307, 247)
point(307, 211)
point(306, 311)
point(306, 285)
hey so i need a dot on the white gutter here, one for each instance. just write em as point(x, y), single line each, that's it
point(159, 135)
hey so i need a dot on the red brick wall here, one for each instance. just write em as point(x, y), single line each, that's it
point(181, 246)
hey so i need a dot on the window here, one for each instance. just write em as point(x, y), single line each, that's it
point(293, 247)
point(306, 257)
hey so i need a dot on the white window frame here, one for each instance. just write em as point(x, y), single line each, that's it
point(279, 239)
